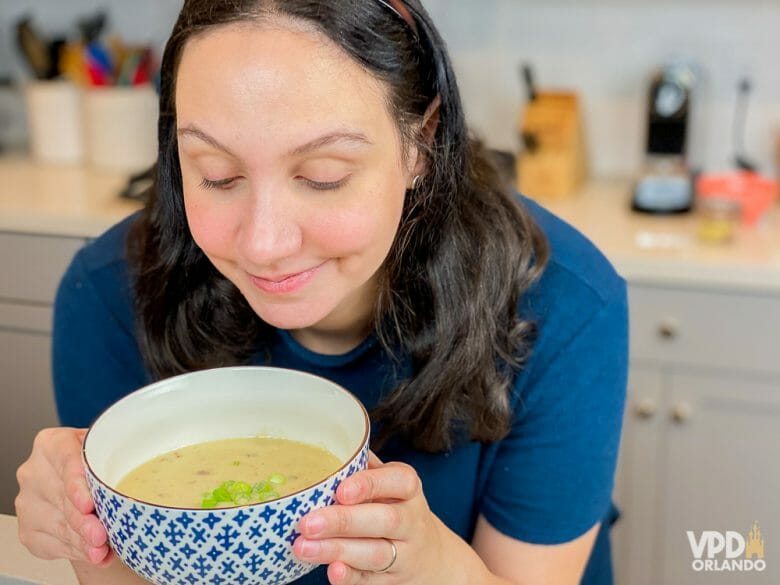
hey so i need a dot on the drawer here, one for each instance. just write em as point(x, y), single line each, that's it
point(705, 328)
point(32, 265)
point(26, 318)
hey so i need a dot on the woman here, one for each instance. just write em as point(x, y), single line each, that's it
point(318, 205)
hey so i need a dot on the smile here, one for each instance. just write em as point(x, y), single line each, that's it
point(285, 284)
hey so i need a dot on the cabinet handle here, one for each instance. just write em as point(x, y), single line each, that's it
point(645, 408)
point(681, 413)
point(668, 328)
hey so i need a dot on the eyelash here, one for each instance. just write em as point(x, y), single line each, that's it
point(224, 184)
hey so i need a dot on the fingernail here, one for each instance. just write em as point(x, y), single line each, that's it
point(315, 525)
point(310, 548)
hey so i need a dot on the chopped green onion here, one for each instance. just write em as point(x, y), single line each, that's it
point(277, 479)
point(222, 494)
point(239, 487)
point(240, 493)
point(265, 497)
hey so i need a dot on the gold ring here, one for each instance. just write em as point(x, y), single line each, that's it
point(392, 561)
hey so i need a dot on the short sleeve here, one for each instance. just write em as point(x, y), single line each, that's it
point(553, 475)
point(95, 359)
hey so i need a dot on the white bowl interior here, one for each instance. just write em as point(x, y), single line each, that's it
point(221, 404)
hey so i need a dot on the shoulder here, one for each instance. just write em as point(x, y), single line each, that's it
point(99, 271)
point(575, 262)
point(578, 292)
point(108, 248)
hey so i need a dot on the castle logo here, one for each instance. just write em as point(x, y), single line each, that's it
point(729, 551)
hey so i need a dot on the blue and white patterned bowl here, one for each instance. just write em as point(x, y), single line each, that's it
point(247, 545)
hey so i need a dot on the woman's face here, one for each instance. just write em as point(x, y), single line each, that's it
point(293, 175)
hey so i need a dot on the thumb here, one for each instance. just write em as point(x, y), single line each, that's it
point(374, 461)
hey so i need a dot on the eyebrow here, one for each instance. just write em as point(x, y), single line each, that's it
point(346, 136)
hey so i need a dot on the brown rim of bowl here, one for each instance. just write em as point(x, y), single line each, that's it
point(149, 387)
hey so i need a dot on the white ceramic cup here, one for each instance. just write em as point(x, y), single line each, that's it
point(54, 122)
point(120, 125)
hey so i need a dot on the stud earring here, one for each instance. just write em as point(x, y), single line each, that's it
point(415, 182)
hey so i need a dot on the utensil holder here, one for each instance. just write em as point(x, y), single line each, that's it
point(120, 125)
point(54, 122)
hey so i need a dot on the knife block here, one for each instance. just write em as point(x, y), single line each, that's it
point(553, 161)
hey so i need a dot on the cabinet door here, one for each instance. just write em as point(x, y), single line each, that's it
point(721, 472)
point(635, 487)
point(25, 388)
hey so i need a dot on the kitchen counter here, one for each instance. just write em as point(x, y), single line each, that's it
point(73, 201)
point(17, 563)
point(59, 200)
point(665, 249)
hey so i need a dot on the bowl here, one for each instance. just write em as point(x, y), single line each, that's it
point(251, 544)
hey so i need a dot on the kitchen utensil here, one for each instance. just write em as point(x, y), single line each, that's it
point(91, 27)
point(35, 51)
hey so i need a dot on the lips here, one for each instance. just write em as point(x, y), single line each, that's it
point(281, 284)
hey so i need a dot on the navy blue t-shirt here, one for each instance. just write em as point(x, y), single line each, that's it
point(547, 482)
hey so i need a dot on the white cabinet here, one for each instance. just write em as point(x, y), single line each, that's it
point(31, 266)
point(701, 444)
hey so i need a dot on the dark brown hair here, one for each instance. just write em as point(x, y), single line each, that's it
point(464, 253)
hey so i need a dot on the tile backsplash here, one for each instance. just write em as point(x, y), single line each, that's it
point(605, 50)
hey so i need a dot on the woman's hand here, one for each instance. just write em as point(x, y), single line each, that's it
point(54, 508)
point(381, 519)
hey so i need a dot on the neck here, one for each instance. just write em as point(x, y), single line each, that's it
point(345, 328)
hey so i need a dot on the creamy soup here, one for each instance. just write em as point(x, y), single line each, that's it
point(250, 469)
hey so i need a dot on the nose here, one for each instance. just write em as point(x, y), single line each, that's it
point(271, 230)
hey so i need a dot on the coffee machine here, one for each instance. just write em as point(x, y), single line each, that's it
point(665, 184)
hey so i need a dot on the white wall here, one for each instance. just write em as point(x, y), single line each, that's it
point(603, 49)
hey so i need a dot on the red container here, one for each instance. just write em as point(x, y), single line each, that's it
point(753, 192)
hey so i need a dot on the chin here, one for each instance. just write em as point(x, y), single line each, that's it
point(292, 316)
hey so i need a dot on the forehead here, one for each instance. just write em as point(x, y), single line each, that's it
point(274, 80)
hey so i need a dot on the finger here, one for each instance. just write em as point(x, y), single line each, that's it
point(374, 461)
point(341, 574)
point(101, 556)
point(393, 481)
point(364, 521)
point(68, 444)
point(87, 526)
point(49, 546)
point(363, 554)
point(82, 537)
point(76, 488)
point(52, 548)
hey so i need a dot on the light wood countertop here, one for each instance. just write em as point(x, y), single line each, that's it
point(59, 200)
point(664, 250)
point(16, 561)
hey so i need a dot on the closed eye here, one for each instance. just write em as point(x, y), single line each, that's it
point(326, 186)
point(223, 184)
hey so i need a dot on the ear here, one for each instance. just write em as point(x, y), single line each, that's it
point(431, 121)
point(428, 129)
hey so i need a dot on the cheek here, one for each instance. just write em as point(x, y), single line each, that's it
point(211, 227)
point(365, 229)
